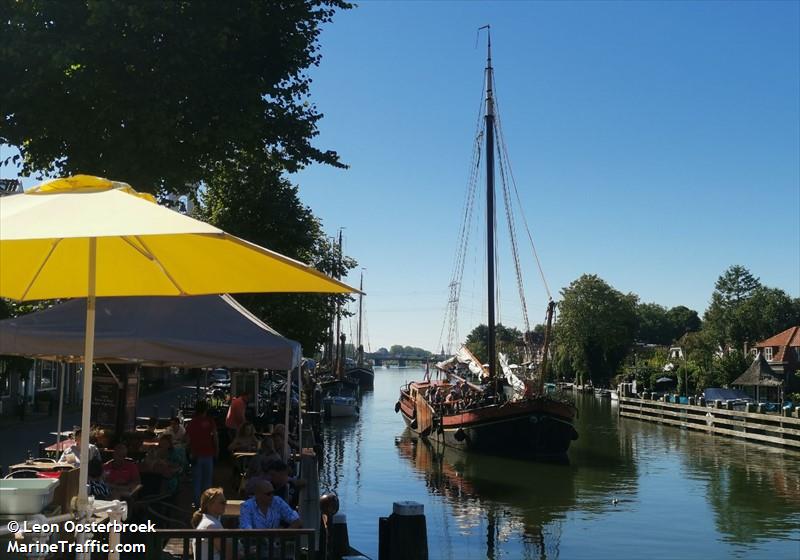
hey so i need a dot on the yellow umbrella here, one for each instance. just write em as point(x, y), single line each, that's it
point(86, 236)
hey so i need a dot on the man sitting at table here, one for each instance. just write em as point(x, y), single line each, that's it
point(72, 454)
point(121, 473)
point(267, 511)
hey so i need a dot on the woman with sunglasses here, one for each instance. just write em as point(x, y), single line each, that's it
point(209, 516)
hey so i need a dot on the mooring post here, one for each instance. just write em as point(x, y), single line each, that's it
point(340, 542)
point(384, 546)
point(407, 533)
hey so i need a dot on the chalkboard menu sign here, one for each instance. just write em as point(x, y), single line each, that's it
point(131, 398)
point(105, 397)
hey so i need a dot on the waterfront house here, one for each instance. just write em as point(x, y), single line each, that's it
point(760, 381)
point(782, 353)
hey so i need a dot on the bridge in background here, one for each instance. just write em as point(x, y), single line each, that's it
point(402, 359)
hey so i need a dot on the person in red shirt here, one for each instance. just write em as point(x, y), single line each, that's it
point(121, 473)
point(203, 445)
point(236, 414)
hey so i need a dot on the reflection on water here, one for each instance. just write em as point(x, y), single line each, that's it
point(630, 490)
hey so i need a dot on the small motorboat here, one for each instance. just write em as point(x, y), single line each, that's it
point(339, 406)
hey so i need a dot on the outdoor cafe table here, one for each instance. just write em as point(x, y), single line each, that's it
point(232, 508)
point(43, 466)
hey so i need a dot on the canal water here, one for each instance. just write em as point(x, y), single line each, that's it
point(631, 490)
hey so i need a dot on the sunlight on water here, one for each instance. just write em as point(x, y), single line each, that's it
point(631, 490)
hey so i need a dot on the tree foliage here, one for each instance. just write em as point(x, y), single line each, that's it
point(742, 310)
point(399, 349)
point(251, 199)
point(683, 320)
point(508, 340)
point(157, 93)
point(595, 328)
point(657, 325)
point(654, 325)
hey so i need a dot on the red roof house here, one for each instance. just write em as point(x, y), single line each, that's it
point(782, 352)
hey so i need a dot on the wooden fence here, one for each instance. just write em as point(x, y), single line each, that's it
point(771, 429)
point(260, 544)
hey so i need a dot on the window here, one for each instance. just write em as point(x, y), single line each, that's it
point(5, 381)
point(797, 353)
point(48, 375)
point(768, 353)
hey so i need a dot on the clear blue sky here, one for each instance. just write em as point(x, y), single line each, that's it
point(654, 144)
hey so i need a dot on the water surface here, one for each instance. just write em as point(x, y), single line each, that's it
point(630, 490)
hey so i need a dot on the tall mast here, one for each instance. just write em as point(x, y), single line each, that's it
point(359, 348)
point(339, 343)
point(490, 205)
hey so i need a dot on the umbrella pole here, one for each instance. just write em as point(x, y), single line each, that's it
point(286, 416)
point(60, 405)
point(88, 362)
point(299, 411)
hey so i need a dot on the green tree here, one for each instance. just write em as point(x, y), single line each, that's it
point(596, 327)
point(683, 320)
point(742, 310)
point(250, 199)
point(156, 93)
point(654, 326)
point(769, 311)
point(724, 318)
point(507, 340)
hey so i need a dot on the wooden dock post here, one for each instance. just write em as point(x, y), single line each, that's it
point(340, 542)
point(404, 534)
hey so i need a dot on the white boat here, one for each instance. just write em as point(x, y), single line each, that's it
point(614, 395)
point(337, 406)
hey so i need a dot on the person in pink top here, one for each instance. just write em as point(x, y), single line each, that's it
point(236, 414)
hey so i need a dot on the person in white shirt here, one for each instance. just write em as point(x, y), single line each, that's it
point(209, 516)
point(72, 454)
point(177, 431)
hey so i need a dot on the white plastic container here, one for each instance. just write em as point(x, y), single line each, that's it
point(23, 496)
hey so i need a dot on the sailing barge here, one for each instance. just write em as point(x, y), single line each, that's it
point(503, 415)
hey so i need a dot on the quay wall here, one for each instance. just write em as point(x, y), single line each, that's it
point(772, 429)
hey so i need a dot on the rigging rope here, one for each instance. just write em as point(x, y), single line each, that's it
point(513, 236)
point(454, 293)
point(502, 142)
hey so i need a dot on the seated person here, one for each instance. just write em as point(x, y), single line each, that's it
point(167, 461)
point(284, 486)
point(258, 466)
point(279, 440)
point(97, 486)
point(245, 439)
point(176, 430)
point(121, 473)
point(72, 454)
point(267, 511)
point(208, 516)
